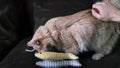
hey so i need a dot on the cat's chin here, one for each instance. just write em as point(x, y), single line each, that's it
point(36, 48)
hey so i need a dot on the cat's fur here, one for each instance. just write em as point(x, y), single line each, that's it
point(76, 33)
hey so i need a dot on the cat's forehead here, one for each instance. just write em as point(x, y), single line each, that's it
point(39, 34)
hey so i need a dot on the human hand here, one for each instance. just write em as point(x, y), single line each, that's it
point(104, 11)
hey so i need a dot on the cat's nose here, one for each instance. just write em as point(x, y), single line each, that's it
point(30, 43)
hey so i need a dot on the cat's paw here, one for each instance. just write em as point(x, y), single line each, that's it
point(97, 56)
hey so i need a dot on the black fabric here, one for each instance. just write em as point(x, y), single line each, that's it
point(7, 27)
point(94, 1)
point(19, 58)
point(46, 9)
point(14, 24)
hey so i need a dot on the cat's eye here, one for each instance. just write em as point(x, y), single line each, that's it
point(38, 42)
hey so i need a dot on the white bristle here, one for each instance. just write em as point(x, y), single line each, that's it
point(49, 63)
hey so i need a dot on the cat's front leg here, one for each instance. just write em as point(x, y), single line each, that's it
point(97, 56)
point(104, 50)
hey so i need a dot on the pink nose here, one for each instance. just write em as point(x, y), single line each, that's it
point(30, 43)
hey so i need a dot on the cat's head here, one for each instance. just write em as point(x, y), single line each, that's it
point(42, 40)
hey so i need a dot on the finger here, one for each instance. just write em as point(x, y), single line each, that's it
point(106, 1)
point(95, 14)
point(97, 5)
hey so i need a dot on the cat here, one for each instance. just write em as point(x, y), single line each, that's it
point(76, 33)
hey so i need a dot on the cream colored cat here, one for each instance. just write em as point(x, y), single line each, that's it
point(76, 33)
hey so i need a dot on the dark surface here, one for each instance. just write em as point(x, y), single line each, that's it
point(19, 58)
point(94, 1)
point(12, 18)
